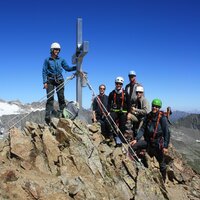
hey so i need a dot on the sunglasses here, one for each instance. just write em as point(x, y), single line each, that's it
point(56, 49)
point(119, 83)
point(155, 106)
point(102, 88)
point(138, 92)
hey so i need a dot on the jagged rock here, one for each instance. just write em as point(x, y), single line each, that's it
point(33, 189)
point(129, 181)
point(13, 191)
point(9, 176)
point(31, 126)
point(147, 188)
point(21, 145)
point(75, 186)
point(54, 121)
point(51, 150)
point(41, 164)
point(97, 138)
point(130, 168)
point(26, 165)
point(65, 124)
point(93, 128)
point(62, 136)
point(71, 161)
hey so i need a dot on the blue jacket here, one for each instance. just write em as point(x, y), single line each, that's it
point(52, 69)
point(162, 136)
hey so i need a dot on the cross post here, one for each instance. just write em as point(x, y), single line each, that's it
point(81, 50)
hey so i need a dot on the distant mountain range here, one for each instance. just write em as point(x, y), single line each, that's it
point(189, 121)
point(15, 113)
point(178, 115)
point(185, 136)
point(16, 107)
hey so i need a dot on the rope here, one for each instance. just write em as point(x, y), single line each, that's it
point(107, 114)
point(116, 128)
point(41, 101)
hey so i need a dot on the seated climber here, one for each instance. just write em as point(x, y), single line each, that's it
point(156, 136)
point(139, 109)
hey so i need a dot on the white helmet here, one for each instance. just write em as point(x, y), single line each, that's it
point(55, 45)
point(139, 89)
point(132, 73)
point(119, 79)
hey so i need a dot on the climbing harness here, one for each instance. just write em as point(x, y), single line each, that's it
point(160, 114)
point(114, 109)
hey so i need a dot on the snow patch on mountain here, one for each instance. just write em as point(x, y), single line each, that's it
point(9, 108)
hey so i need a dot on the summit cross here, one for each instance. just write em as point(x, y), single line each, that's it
point(81, 50)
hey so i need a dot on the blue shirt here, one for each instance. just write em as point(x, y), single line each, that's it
point(52, 68)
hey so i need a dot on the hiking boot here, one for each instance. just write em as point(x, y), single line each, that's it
point(118, 145)
point(129, 125)
point(128, 135)
point(48, 120)
point(118, 142)
point(124, 151)
point(56, 113)
point(107, 140)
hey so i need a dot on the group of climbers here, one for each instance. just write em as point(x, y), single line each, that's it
point(126, 107)
point(129, 109)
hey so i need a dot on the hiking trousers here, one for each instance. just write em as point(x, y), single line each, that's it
point(59, 85)
point(105, 128)
point(153, 151)
point(120, 119)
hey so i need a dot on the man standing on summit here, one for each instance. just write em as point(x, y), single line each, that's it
point(131, 86)
point(53, 78)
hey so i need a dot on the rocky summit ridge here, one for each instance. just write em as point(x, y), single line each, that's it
point(70, 160)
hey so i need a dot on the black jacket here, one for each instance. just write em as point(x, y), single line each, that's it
point(162, 135)
point(98, 107)
point(117, 101)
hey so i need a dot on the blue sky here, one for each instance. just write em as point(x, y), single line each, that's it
point(159, 39)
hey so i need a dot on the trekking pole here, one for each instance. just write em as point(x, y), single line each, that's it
point(118, 131)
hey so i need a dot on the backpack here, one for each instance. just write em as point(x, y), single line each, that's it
point(160, 115)
point(71, 110)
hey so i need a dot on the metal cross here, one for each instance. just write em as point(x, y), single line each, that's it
point(81, 50)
